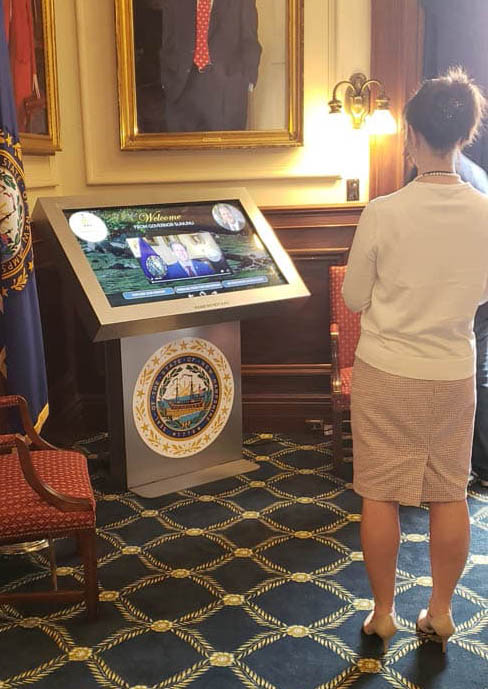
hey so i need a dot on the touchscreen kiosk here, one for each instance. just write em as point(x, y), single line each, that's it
point(164, 279)
point(152, 262)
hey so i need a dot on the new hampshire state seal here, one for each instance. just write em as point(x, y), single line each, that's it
point(183, 397)
point(15, 235)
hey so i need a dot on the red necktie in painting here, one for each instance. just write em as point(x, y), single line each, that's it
point(201, 57)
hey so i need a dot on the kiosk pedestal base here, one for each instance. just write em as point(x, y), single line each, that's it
point(175, 409)
point(197, 478)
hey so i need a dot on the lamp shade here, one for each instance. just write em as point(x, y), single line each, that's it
point(339, 122)
point(380, 122)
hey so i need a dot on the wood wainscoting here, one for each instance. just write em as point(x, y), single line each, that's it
point(286, 358)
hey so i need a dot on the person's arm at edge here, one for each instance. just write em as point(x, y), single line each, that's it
point(361, 266)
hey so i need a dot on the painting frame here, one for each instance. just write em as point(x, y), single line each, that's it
point(133, 140)
point(50, 142)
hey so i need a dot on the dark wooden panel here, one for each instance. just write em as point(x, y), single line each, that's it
point(293, 217)
point(396, 59)
point(295, 379)
point(298, 334)
point(283, 413)
point(75, 368)
point(286, 359)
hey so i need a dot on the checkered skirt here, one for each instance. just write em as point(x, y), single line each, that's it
point(411, 438)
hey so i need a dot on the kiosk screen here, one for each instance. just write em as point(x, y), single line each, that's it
point(151, 253)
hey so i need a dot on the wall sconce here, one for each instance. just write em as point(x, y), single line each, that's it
point(358, 102)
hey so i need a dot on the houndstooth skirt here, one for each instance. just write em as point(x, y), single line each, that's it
point(412, 438)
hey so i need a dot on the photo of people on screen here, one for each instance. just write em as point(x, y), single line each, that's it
point(228, 216)
point(178, 257)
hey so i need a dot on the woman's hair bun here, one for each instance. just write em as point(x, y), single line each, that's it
point(448, 110)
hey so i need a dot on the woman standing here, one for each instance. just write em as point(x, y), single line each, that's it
point(418, 269)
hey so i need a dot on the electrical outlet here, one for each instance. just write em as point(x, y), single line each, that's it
point(314, 424)
point(352, 189)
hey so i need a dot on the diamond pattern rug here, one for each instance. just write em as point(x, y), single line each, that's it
point(256, 581)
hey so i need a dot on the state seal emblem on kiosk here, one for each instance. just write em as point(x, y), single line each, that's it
point(183, 397)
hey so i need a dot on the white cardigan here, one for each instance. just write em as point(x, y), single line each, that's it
point(418, 269)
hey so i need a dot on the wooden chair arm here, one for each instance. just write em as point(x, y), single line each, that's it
point(336, 383)
point(65, 503)
point(18, 401)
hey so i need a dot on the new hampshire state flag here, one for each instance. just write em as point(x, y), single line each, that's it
point(22, 369)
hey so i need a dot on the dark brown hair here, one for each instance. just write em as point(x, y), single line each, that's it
point(447, 110)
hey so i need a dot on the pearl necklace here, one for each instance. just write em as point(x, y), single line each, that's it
point(437, 173)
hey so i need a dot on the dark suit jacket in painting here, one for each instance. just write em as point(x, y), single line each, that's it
point(216, 98)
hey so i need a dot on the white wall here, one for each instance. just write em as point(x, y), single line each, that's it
point(267, 107)
point(337, 43)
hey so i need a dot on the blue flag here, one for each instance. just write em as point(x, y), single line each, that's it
point(22, 368)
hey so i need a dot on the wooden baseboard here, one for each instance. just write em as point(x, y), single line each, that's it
point(283, 413)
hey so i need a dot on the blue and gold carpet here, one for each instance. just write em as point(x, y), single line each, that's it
point(256, 581)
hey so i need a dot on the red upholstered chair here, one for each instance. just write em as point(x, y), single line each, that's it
point(46, 493)
point(344, 334)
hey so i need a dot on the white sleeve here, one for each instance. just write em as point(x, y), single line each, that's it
point(484, 296)
point(361, 266)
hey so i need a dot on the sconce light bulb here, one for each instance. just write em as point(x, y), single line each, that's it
point(339, 122)
point(381, 122)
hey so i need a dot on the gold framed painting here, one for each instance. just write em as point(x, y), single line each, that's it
point(31, 41)
point(209, 73)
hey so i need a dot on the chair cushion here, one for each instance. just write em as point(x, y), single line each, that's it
point(24, 513)
point(349, 323)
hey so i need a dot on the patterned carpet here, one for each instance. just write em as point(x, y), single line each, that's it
point(256, 581)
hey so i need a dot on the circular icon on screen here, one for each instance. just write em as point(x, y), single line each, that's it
point(228, 216)
point(88, 226)
point(156, 267)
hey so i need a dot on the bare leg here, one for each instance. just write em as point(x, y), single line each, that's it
point(449, 547)
point(380, 540)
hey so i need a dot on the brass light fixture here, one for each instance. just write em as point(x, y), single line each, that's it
point(358, 104)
